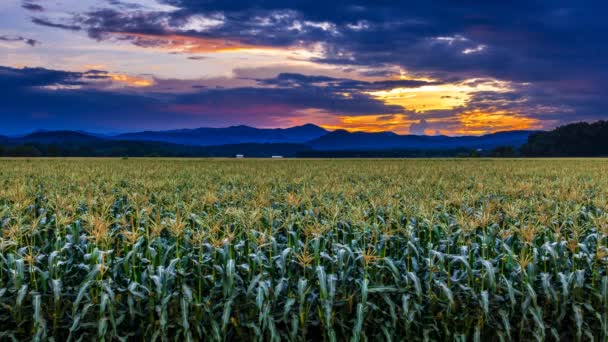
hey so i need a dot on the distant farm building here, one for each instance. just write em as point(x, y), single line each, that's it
point(239, 156)
point(277, 157)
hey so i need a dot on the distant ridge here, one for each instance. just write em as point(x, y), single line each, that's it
point(229, 135)
point(251, 141)
point(58, 137)
point(344, 140)
point(321, 139)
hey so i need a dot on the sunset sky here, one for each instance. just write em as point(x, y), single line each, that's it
point(418, 67)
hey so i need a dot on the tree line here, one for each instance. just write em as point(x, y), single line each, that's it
point(574, 140)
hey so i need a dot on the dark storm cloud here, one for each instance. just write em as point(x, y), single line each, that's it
point(12, 78)
point(99, 23)
point(296, 98)
point(28, 41)
point(32, 6)
point(339, 84)
point(48, 23)
point(299, 79)
point(254, 28)
point(125, 5)
point(516, 40)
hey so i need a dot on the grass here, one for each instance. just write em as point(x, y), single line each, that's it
point(303, 249)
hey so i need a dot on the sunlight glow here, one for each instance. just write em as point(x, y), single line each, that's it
point(132, 81)
point(195, 45)
point(478, 122)
point(437, 97)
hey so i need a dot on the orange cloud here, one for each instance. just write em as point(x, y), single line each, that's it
point(465, 123)
point(94, 66)
point(479, 122)
point(449, 96)
point(473, 122)
point(185, 44)
point(131, 81)
point(371, 123)
point(398, 123)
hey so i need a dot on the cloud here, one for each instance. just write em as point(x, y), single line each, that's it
point(48, 23)
point(295, 98)
point(28, 41)
point(12, 78)
point(53, 79)
point(129, 80)
point(32, 6)
point(419, 128)
point(299, 80)
point(79, 100)
point(522, 41)
point(182, 44)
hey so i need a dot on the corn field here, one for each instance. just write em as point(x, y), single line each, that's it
point(297, 250)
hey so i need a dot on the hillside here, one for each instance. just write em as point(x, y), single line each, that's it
point(229, 135)
point(57, 137)
point(574, 140)
point(343, 140)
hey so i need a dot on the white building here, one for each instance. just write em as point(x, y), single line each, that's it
point(239, 156)
point(277, 157)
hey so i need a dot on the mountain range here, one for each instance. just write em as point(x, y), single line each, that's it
point(256, 141)
point(344, 140)
point(230, 135)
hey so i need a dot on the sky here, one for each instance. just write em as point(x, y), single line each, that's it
point(413, 67)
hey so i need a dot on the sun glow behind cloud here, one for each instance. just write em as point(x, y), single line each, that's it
point(132, 81)
point(465, 123)
point(438, 97)
point(479, 122)
point(421, 104)
point(397, 123)
point(448, 109)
